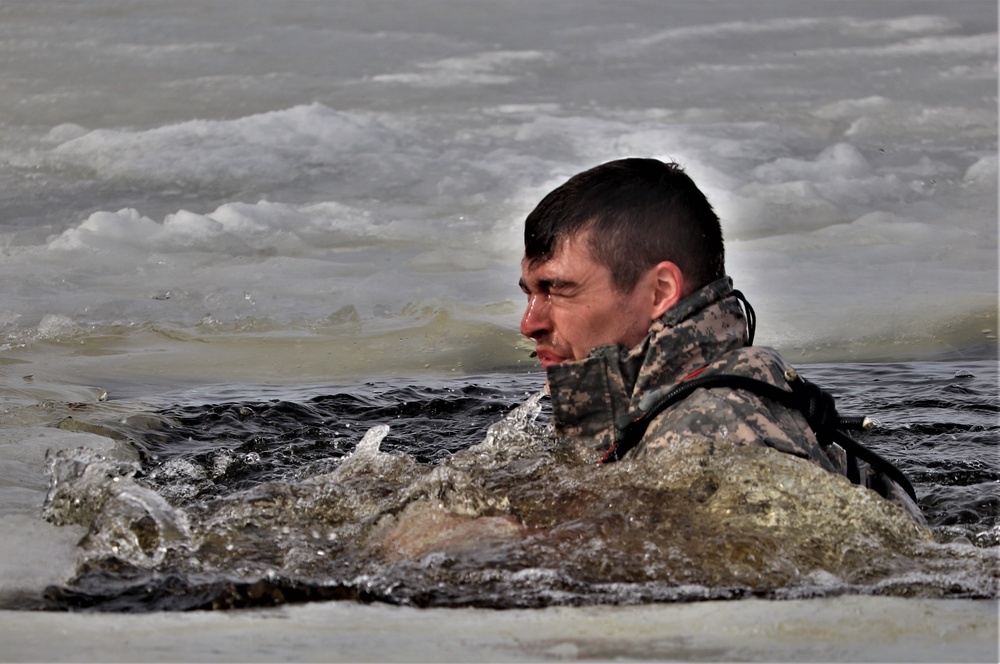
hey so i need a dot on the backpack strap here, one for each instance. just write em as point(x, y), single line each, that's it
point(816, 405)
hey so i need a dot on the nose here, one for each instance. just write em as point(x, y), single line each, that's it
point(536, 322)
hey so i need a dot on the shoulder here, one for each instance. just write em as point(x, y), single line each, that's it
point(758, 362)
point(737, 417)
point(722, 415)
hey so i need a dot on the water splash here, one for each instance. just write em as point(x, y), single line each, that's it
point(512, 517)
point(130, 522)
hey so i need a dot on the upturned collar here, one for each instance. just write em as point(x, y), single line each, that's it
point(587, 395)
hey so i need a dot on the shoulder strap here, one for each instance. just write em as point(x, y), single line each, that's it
point(816, 405)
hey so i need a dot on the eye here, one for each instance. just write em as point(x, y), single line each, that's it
point(561, 289)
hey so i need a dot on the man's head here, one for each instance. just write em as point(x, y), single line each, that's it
point(610, 251)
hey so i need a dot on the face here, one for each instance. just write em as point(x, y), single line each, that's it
point(574, 307)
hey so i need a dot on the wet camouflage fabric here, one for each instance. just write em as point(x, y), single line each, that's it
point(706, 331)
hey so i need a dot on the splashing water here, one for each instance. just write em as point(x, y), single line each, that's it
point(517, 519)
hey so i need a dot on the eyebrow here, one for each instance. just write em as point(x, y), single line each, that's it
point(546, 285)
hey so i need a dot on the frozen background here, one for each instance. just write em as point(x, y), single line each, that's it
point(352, 176)
point(257, 192)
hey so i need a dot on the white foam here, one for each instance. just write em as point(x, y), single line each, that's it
point(983, 173)
point(485, 68)
point(267, 146)
point(841, 161)
point(981, 44)
point(872, 28)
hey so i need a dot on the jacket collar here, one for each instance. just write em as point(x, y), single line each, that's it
point(588, 395)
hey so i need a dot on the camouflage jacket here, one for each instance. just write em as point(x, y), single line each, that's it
point(704, 334)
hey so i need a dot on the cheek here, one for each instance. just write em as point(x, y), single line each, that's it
point(625, 322)
point(585, 330)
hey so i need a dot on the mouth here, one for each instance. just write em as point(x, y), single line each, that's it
point(547, 358)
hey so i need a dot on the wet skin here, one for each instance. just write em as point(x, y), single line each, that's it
point(574, 306)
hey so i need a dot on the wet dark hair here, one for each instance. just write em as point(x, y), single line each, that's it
point(638, 212)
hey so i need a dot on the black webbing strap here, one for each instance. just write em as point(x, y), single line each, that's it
point(816, 405)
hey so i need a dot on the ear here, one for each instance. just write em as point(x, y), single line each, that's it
point(668, 289)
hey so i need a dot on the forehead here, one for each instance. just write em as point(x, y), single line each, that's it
point(569, 250)
point(572, 261)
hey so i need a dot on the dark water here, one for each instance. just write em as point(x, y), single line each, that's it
point(243, 502)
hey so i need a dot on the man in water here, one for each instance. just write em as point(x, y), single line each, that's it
point(628, 300)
